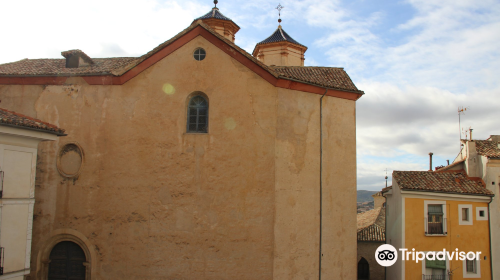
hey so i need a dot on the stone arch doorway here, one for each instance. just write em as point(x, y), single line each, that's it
point(67, 262)
point(50, 249)
point(363, 269)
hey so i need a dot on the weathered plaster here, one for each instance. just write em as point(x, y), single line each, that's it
point(240, 202)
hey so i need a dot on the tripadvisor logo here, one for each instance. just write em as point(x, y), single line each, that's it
point(387, 255)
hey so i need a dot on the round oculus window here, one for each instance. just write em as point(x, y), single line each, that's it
point(199, 54)
point(70, 160)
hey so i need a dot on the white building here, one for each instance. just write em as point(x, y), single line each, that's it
point(19, 138)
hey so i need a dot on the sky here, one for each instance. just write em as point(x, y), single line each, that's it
point(417, 61)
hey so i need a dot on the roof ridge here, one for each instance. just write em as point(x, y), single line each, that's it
point(281, 31)
point(24, 59)
point(296, 66)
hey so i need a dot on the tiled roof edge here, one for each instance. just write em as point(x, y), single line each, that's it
point(53, 128)
point(318, 85)
point(474, 194)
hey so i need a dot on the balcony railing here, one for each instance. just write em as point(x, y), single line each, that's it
point(438, 228)
point(435, 277)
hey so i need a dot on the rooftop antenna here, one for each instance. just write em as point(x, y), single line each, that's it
point(279, 8)
point(386, 177)
point(461, 110)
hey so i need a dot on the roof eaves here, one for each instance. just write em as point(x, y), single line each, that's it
point(449, 192)
point(319, 85)
point(34, 129)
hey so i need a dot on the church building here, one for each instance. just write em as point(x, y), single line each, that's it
point(196, 160)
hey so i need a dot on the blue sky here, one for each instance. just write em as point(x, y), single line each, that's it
point(416, 60)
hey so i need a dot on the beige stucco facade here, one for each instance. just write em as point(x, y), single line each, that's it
point(281, 54)
point(18, 158)
point(154, 202)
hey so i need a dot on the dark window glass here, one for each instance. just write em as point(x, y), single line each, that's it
point(198, 115)
point(199, 54)
point(471, 266)
point(435, 219)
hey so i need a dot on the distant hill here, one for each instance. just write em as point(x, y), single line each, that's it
point(365, 195)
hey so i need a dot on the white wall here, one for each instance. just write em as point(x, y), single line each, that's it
point(394, 229)
point(18, 153)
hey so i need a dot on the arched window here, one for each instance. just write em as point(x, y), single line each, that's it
point(363, 269)
point(197, 120)
point(67, 261)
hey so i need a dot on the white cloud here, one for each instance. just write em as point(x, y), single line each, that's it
point(398, 126)
point(40, 29)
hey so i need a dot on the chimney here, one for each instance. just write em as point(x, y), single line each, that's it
point(430, 161)
point(76, 58)
point(448, 162)
point(470, 129)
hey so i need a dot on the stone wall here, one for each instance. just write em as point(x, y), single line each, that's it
point(154, 202)
point(367, 250)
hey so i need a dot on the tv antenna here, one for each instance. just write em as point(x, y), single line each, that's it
point(461, 110)
point(386, 177)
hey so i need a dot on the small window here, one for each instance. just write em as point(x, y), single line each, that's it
point(199, 54)
point(471, 266)
point(465, 214)
point(481, 213)
point(435, 219)
point(197, 119)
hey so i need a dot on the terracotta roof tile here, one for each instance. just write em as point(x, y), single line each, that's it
point(384, 190)
point(488, 148)
point(57, 67)
point(373, 233)
point(330, 77)
point(334, 78)
point(444, 182)
point(371, 225)
point(10, 118)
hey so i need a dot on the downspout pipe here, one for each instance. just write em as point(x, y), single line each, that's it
point(321, 180)
point(489, 231)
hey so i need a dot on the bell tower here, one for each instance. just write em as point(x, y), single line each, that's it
point(220, 23)
point(280, 49)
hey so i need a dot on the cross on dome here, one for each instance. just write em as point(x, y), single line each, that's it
point(279, 8)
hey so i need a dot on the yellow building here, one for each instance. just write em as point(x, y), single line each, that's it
point(19, 139)
point(196, 160)
point(435, 211)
